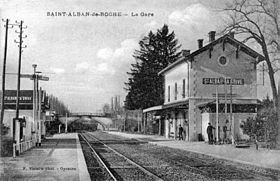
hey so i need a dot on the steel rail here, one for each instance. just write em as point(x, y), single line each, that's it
point(129, 160)
point(204, 163)
point(99, 158)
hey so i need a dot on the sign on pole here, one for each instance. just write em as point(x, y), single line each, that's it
point(43, 78)
point(26, 76)
point(32, 76)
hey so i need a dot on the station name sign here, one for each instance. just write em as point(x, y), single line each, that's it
point(26, 97)
point(221, 81)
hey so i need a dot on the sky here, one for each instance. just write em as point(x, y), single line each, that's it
point(86, 58)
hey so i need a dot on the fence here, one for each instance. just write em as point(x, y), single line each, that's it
point(133, 120)
point(128, 120)
point(23, 146)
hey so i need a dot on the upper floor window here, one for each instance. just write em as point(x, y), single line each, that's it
point(176, 91)
point(223, 60)
point(168, 94)
point(184, 88)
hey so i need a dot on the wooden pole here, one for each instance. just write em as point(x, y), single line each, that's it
point(4, 77)
point(231, 120)
point(19, 70)
point(34, 100)
point(39, 116)
point(217, 115)
point(225, 87)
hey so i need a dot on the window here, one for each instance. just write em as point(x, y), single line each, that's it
point(168, 99)
point(222, 60)
point(184, 88)
point(175, 91)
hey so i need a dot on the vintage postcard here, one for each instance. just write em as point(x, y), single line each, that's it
point(140, 90)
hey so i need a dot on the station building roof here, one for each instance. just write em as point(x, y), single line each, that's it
point(224, 39)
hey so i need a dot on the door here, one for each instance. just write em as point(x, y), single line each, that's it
point(205, 120)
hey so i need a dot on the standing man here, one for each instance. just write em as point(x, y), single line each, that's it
point(181, 132)
point(225, 132)
point(210, 133)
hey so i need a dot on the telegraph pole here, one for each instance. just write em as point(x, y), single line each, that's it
point(231, 119)
point(34, 100)
point(16, 123)
point(19, 66)
point(4, 74)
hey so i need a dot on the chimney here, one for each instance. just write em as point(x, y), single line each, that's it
point(186, 52)
point(211, 36)
point(231, 34)
point(200, 43)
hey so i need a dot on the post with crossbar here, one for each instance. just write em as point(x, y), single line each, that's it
point(217, 115)
point(231, 119)
point(34, 102)
point(16, 124)
point(4, 76)
point(39, 116)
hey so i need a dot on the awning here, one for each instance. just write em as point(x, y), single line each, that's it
point(177, 105)
point(155, 108)
point(204, 103)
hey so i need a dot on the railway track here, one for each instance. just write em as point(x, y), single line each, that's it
point(214, 169)
point(116, 165)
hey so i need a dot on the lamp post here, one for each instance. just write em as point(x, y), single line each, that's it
point(35, 101)
point(66, 124)
point(217, 114)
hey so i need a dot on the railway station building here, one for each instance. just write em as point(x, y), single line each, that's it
point(217, 84)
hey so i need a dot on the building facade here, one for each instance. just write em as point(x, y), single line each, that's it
point(217, 83)
point(24, 130)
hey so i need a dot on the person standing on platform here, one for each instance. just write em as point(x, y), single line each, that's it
point(181, 132)
point(225, 132)
point(210, 133)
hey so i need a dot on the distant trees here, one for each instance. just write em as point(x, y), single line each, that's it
point(145, 86)
point(106, 109)
point(57, 105)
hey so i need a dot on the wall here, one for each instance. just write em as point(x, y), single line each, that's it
point(8, 120)
point(203, 66)
point(206, 67)
point(176, 75)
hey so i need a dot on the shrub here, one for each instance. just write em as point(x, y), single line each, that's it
point(4, 130)
point(263, 126)
point(7, 147)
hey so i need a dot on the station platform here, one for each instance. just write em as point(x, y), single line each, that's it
point(262, 157)
point(58, 158)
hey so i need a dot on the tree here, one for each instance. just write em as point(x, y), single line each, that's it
point(145, 86)
point(263, 125)
point(259, 21)
point(106, 109)
point(57, 105)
